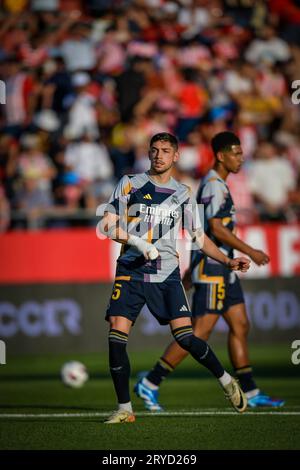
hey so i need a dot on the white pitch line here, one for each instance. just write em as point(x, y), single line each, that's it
point(146, 414)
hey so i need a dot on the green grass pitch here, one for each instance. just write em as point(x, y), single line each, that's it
point(38, 412)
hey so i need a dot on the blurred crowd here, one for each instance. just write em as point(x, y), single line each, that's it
point(88, 82)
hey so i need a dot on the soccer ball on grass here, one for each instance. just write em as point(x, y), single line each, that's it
point(74, 374)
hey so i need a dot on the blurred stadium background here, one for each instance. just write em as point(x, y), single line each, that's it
point(87, 83)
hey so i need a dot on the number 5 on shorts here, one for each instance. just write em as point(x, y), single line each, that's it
point(117, 291)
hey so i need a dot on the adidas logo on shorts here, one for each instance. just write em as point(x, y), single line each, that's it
point(183, 309)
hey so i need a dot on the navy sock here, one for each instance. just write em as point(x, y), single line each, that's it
point(245, 376)
point(160, 371)
point(199, 349)
point(119, 364)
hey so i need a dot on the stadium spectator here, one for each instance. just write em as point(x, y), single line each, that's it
point(19, 85)
point(129, 96)
point(269, 47)
point(288, 12)
point(271, 181)
point(82, 114)
point(78, 50)
point(56, 86)
point(89, 159)
point(33, 201)
point(34, 164)
point(126, 69)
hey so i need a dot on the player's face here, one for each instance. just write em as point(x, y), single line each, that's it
point(162, 156)
point(233, 159)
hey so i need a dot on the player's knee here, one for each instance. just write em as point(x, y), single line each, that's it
point(185, 343)
point(183, 336)
point(241, 328)
point(202, 333)
point(188, 341)
point(113, 322)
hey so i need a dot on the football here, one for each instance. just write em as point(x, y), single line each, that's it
point(74, 374)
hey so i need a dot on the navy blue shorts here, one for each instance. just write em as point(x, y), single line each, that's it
point(165, 300)
point(217, 291)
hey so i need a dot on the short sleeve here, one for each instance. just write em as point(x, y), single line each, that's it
point(213, 198)
point(117, 203)
point(192, 215)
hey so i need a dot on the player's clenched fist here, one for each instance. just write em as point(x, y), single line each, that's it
point(239, 264)
point(259, 257)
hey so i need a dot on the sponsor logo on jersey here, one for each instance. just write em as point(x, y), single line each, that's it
point(158, 214)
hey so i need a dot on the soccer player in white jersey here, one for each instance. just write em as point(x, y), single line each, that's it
point(145, 214)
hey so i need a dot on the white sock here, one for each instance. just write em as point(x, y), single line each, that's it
point(126, 407)
point(149, 384)
point(225, 379)
point(252, 393)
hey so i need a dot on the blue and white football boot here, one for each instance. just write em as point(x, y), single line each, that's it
point(148, 395)
point(263, 400)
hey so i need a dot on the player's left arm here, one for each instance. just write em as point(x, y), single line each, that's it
point(205, 244)
point(210, 249)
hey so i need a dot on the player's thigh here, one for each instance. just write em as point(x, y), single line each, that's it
point(167, 302)
point(237, 319)
point(126, 301)
point(206, 310)
point(235, 313)
point(203, 325)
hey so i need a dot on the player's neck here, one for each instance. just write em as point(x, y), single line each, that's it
point(222, 172)
point(160, 178)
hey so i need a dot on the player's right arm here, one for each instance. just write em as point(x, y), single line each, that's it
point(205, 244)
point(113, 223)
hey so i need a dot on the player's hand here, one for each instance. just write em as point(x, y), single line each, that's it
point(259, 257)
point(147, 249)
point(187, 280)
point(150, 252)
point(239, 264)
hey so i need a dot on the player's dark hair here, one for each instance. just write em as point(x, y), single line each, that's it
point(223, 141)
point(165, 137)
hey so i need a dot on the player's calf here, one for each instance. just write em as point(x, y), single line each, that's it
point(199, 349)
point(119, 364)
